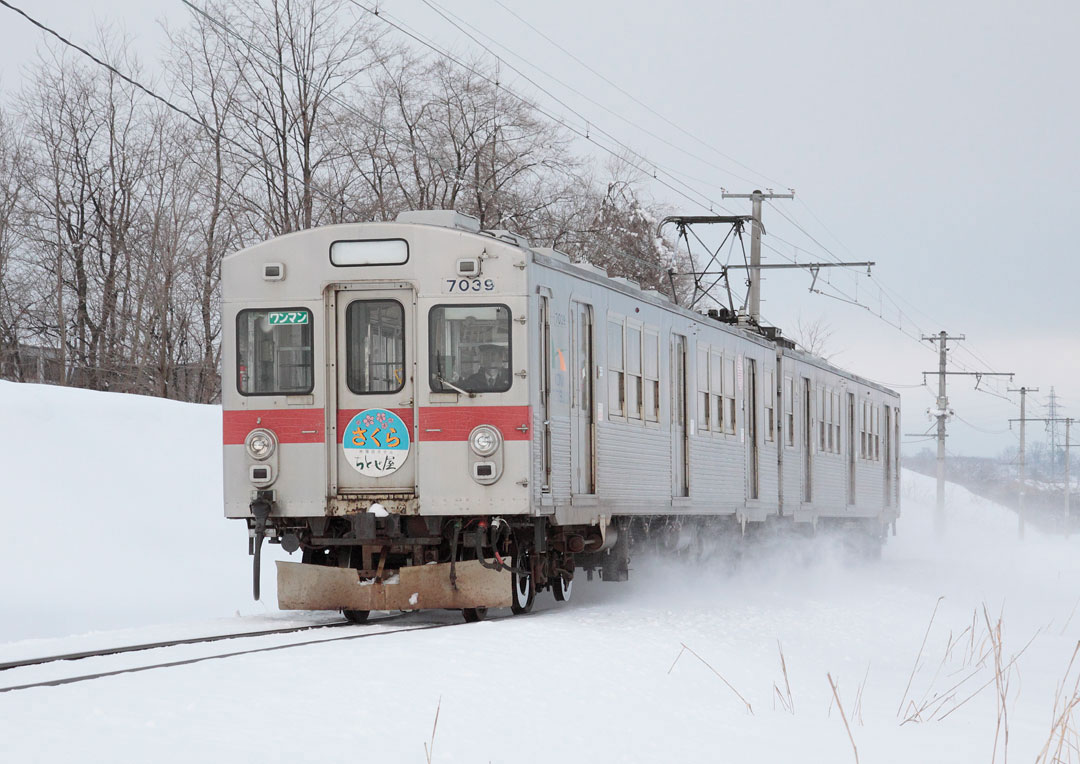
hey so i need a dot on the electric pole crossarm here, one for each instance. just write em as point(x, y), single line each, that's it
point(778, 266)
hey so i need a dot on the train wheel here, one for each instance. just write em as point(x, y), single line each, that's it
point(524, 593)
point(474, 614)
point(356, 616)
point(562, 588)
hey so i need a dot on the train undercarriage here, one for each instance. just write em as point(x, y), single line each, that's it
point(363, 562)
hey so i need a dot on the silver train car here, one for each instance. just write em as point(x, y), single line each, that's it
point(442, 417)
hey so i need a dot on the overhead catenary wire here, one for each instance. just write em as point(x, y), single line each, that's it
point(638, 101)
point(704, 201)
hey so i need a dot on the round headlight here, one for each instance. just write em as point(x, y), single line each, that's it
point(260, 444)
point(484, 440)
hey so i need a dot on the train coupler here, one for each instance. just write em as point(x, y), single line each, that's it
point(260, 508)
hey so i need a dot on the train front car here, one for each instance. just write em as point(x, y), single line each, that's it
point(377, 418)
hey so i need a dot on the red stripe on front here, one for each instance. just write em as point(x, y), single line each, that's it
point(436, 422)
point(290, 425)
point(456, 422)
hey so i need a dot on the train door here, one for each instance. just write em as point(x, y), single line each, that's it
point(808, 450)
point(886, 435)
point(582, 447)
point(851, 447)
point(750, 406)
point(374, 378)
point(545, 389)
point(680, 483)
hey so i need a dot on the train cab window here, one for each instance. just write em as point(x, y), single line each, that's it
point(274, 352)
point(469, 348)
point(375, 346)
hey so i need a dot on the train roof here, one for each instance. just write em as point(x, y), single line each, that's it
point(464, 224)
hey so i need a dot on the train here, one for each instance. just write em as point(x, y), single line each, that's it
point(442, 417)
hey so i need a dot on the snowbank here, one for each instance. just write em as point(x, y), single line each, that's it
point(112, 514)
point(604, 678)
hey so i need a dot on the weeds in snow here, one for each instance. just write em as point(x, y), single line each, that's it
point(429, 751)
point(785, 697)
point(918, 657)
point(836, 694)
point(972, 661)
point(1063, 743)
point(729, 685)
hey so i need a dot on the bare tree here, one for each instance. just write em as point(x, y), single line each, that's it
point(814, 336)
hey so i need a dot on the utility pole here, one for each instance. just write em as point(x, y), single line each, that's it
point(754, 274)
point(943, 412)
point(1023, 453)
point(1068, 444)
point(1054, 416)
point(1068, 484)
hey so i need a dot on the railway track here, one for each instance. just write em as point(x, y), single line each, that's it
point(30, 662)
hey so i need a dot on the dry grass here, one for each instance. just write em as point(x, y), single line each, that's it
point(973, 661)
point(1063, 743)
point(836, 695)
point(784, 697)
point(722, 679)
point(918, 657)
point(429, 751)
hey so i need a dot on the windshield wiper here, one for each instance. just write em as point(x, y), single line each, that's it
point(453, 386)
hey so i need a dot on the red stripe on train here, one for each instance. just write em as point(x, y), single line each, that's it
point(290, 425)
point(456, 422)
point(437, 423)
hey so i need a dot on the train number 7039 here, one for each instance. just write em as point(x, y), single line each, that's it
point(470, 285)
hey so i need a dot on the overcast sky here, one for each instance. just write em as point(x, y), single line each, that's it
point(938, 139)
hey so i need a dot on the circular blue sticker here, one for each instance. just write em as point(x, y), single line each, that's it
point(376, 442)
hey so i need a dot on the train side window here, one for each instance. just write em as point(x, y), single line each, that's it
point(789, 410)
point(876, 412)
point(375, 346)
point(703, 389)
point(469, 347)
point(770, 406)
point(716, 390)
point(274, 352)
point(836, 422)
point(651, 369)
point(633, 372)
point(616, 370)
point(823, 419)
point(729, 395)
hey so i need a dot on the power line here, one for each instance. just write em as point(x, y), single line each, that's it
point(639, 102)
point(693, 195)
point(143, 88)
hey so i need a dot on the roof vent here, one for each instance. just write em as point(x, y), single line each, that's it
point(514, 238)
point(592, 268)
point(553, 253)
point(443, 218)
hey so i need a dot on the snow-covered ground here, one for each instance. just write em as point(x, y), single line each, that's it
point(112, 513)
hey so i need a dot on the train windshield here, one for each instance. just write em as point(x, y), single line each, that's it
point(375, 346)
point(274, 352)
point(470, 348)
